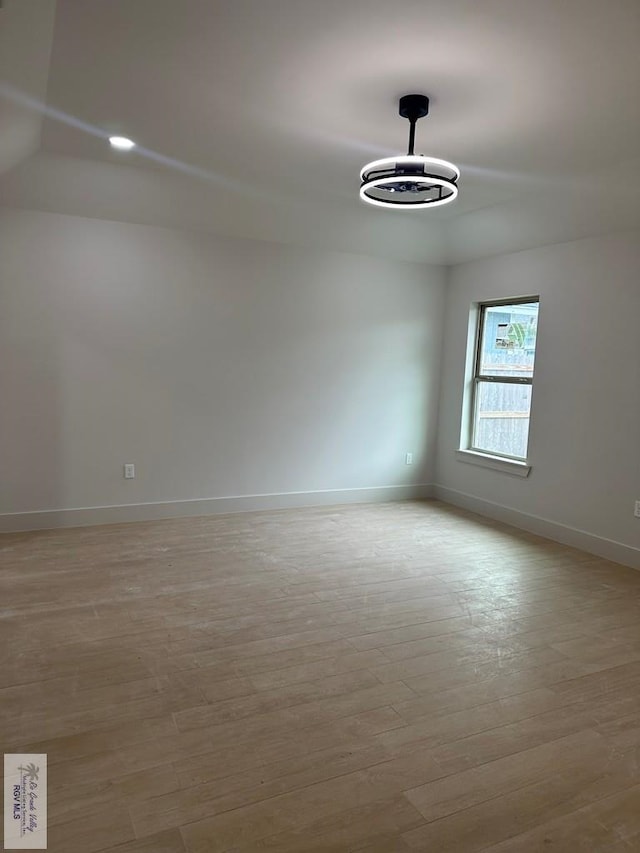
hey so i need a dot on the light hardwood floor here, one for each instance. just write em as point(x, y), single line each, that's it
point(380, 678)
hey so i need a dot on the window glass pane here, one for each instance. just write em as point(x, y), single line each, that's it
point(502, 418)
point(508, 344)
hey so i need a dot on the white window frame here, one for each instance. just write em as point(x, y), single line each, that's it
point(468, 452)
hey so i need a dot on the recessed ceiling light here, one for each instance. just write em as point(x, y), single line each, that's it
point(415, 181)
point(122, 143)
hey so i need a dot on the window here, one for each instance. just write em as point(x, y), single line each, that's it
point(503, 377)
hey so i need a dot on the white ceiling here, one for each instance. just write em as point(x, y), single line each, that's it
point(26, 32)
point(255, 116)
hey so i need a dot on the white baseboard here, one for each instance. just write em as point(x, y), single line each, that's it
point(81, 517)
point(572, 536)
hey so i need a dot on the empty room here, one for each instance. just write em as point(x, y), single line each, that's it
point(319, 444)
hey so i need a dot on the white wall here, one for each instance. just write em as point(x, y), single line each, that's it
point(219, 366)
point(225, 367)
point(584, 443)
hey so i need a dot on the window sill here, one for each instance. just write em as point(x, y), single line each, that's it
point(495, 463)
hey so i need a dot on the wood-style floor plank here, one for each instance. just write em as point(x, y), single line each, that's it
point(375, 678)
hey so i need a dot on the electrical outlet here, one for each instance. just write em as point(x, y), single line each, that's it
point(408, 459)
point(636, 511)
point(129, 471)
